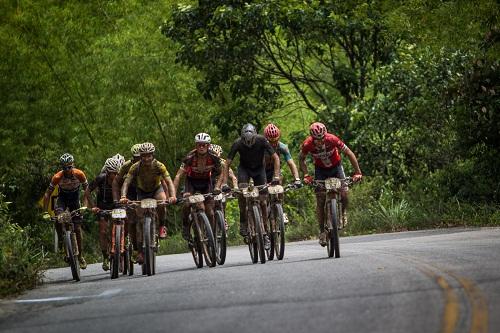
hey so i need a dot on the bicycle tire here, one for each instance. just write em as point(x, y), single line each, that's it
point(115, 258)
point(260, 233)
point(279, 232)
point(196, 250)
point(207, 237)
point(252, 242)
point(220, 238)
point(334, 232)
point(147, 245)
point(270, 218)
point(130, 261)
point(72, 258)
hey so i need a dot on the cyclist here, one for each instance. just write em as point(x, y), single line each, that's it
point(152, 181)
point(103, 183)
point(199, 166)
point(217, 150)
point(272, 134)
point(324, 148)
point(251, 148)
point(69, 179)
point(130, 226)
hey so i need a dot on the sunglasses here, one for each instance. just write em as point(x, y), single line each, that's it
point(202, 144)
point(274, 140)
point(67, 167)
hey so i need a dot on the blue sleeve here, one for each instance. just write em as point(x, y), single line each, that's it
point(285, 152)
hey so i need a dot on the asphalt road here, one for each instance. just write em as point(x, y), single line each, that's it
point(426, 281)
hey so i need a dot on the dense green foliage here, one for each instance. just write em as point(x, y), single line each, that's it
point(411, 86)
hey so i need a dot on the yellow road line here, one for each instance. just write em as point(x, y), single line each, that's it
point(479, 320)
point(451, 307)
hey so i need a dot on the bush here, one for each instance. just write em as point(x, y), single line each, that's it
point(21, 263)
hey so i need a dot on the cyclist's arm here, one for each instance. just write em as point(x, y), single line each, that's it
point(293, 169)
point(168, 186)
point(87, 198)
point(116, 187)
point(353, 160)
point(276, 163)
point(126, 184)
point(180, 173)
point(225, 171)
point(234, 180)
point(53, 183)
point(302, 163)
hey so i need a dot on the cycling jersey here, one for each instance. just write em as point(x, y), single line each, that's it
point(282, 151)
point(326, 155)
point(105, 193)
point(132, 191)
point(251, 157)
point(148, 178)
point(201, 168)
point(69, 184)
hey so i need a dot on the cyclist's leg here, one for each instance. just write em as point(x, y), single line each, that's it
point(343, 195)
point(103, 235)
point(58, 209)
point(243, 179)
point(161, 211)
point(259, 178)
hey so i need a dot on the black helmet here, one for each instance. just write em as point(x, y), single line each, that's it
point(248, 134)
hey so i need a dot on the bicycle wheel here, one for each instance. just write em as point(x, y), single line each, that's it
point(72, 258)
point(220, 237)
point(147, 246)
point(260, 233)
point(279, 232)
point(270, 222)
point(252, 242)
point(115, 257)
point(333, 241)
point(130, 261)
point(207, 240)
point(196, 250)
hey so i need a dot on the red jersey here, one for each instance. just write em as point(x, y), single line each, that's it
point(201, 168)
point(326, 155)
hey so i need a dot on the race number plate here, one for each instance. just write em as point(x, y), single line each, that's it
point(250, 194)
point(333, 184)
point(276, 189)
point(118, 213)
point(196, 198)
point(148, 203)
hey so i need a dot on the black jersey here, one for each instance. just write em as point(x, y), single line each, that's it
point(251, 157)
point(104, 193)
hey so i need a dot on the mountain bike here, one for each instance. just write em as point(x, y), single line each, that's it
point(119, 257)
point(276, 220)
point(149, 232)
point(333, 211)
point(255, 225)
point(70, 244)
point(219, 228)
point(202, 242)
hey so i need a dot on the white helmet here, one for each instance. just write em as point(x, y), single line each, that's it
point(147, 148)
point(119, 158)
point(135, 150)
point(216, 149)
point(202, 138)
point(112, 165)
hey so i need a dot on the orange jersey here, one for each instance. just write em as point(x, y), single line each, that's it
point(71, 183)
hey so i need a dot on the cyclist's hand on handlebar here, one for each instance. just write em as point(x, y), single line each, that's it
point(186, 194)
point(297, 183)
point(95, 210)
point(172, 200)
point(226, 188)
point(275, 181)
point(46, 215)
point(308, 179)
point(216, 191)
point(357, 177)
point(123, 200)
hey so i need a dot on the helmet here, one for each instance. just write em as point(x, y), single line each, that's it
point(147, 148)
point(216, 149)
point(135, 150)
point(112, 165)
point(248, 128)
point(317, 130)
point(248, 134)
point(66, 159)
point(272, 131)
point(202, 138)
point(119, 158)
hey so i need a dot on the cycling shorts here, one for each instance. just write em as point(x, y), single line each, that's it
point(193, 185)
point(258, 175)
point(149, 195)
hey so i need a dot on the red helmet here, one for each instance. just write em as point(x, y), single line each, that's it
point(317, 130)
point(272, 131)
